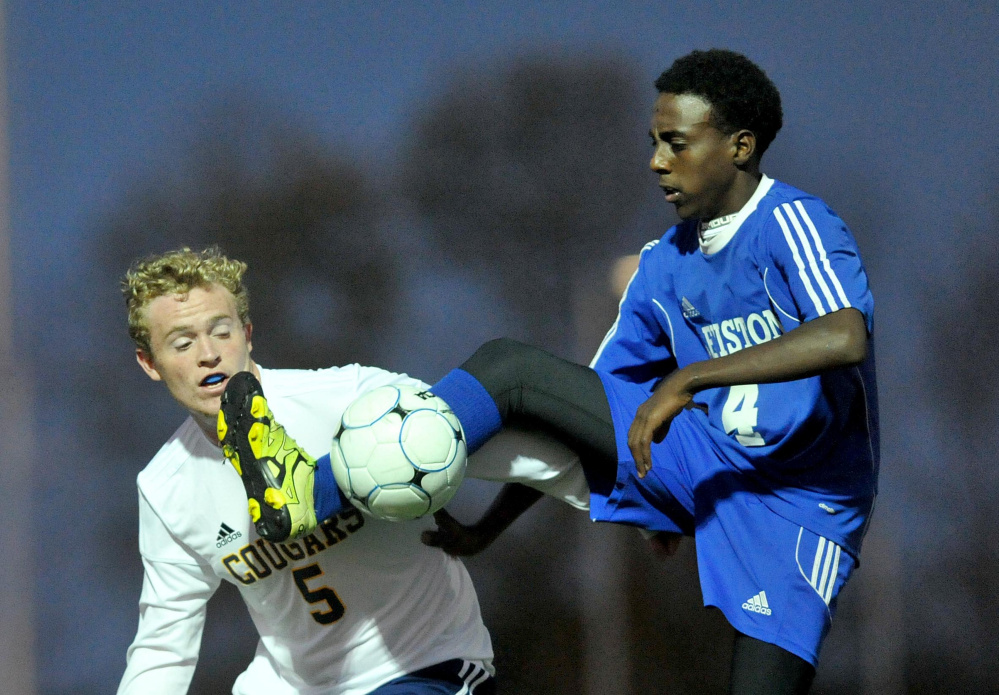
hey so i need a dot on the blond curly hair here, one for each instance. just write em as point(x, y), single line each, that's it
point(179, 272)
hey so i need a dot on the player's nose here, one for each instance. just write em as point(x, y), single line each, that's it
point(208, 354)
point(660, 161)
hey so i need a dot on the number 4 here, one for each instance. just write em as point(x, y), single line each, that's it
point(323, 594)
point(740, 413)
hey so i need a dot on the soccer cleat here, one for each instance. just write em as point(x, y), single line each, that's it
point(277, 473)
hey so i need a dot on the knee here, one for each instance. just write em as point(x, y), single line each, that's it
point(498, 362)
point(500, 349)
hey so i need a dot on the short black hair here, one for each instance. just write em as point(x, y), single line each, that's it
point(740, 93)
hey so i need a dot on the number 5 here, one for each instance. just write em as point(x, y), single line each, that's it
point(321, 595)
point(740, 413)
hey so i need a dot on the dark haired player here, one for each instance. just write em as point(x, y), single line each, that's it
point(734, 397)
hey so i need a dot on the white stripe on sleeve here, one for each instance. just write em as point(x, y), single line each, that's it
point(822, 254)
point(798, 262)
point(813, 265)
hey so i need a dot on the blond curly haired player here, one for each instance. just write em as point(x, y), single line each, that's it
point(356, 606)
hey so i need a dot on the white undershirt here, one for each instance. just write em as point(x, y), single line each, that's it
point(714, 234)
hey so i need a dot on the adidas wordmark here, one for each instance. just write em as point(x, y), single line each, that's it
point(226, 535)
point(758, 604)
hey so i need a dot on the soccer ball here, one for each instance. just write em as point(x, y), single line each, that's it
point(399, 453)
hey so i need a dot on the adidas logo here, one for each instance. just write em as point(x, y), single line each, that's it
point(226, 535)
point(689, 310)
point(758, 604)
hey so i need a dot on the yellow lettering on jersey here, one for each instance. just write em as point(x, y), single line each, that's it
point(293, 550)
point(228, 561)
point(313, 545)
point(250, 551)
point(332, 531)
point(280, 562)
point(354, 519)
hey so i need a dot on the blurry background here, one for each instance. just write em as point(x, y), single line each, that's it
point(410, 179)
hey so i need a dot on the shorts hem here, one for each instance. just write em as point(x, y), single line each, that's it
point(751, 629)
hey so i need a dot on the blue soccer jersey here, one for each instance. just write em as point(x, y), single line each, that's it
point(808, 448)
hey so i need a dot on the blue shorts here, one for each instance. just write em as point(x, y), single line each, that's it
point(454, 677)
point(773, 579)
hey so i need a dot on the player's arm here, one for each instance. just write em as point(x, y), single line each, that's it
point(172, 609)
point(457, 539)
point(828, 342)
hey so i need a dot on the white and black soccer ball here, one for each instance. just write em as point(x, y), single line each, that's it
point(399, 453)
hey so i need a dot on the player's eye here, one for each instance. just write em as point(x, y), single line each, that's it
point(677, 146)
point(182, 345)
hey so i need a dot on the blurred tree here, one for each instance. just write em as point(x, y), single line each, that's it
point(534, 177)
point(302, 217)
point(530, 175)
point(322, 285)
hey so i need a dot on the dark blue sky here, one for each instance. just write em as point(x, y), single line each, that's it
point(899, 94)
point(889, 107)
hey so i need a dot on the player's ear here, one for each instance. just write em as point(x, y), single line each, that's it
point(743, 147)
point(248, 333)
point(145, 361)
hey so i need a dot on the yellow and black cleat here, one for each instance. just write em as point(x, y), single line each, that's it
point(277, 473)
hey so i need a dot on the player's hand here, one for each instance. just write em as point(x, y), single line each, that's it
point(454, 538)
point(653, 418)
point(665, 543)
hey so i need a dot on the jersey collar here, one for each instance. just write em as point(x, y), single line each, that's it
point(715, 234)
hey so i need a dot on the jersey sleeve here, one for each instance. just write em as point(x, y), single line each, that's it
point(370, 378)
point(813, 266)
point(534, 458)
point(172, 607)
point(638, 347)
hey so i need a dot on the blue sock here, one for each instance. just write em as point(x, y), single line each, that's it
point(326, 493)
point(472, 404)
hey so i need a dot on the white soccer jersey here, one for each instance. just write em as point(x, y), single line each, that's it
point(354, 604)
